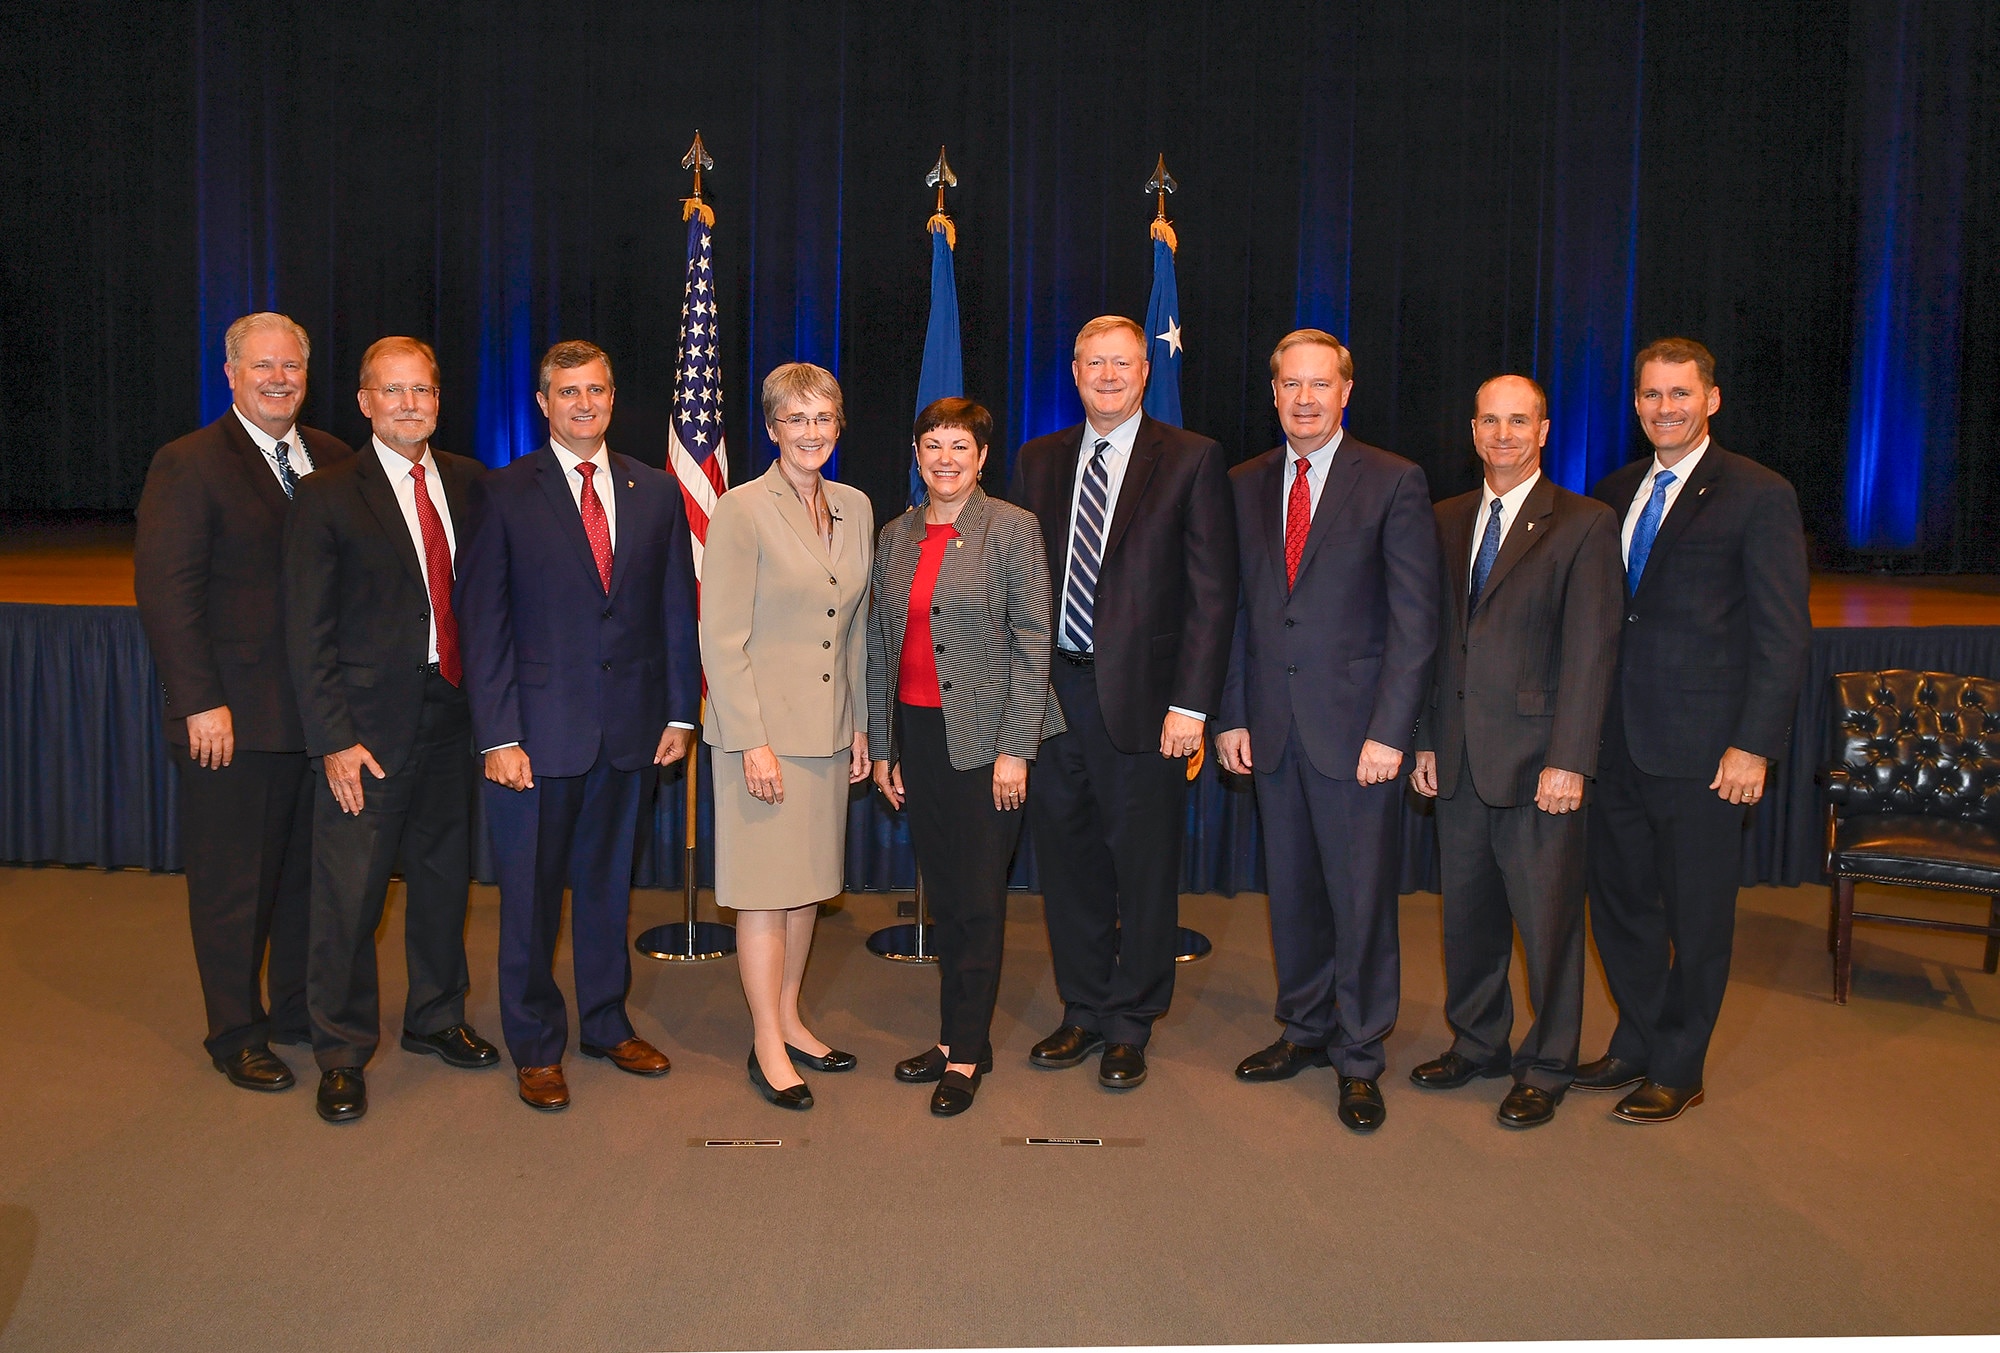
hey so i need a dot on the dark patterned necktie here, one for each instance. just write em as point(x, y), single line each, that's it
point(287, 476)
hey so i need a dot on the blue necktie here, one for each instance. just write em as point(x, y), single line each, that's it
point(1086, 552)
point(1645, 531)
point(1489, 550)
point(287, 476)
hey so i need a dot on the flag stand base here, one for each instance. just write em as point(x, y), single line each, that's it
point(906, 943)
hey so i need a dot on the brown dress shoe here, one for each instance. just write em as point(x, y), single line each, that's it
point(543, 1087)
point(635, 1055)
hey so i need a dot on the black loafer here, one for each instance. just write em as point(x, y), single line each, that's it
point(954, 1093)
point(343, 1095)
point(1656, 1103)
point(255, 1068)
point(1281, 1061)
point(1067, 1046)
point(928, 1066)
point(798, 1096)
point(1527, 1106)
point(1451, 1071)
point(835, 1059)
point(1361, 1107)
point(457, 1046)
point(1607, 1073)
point(1122, 1067)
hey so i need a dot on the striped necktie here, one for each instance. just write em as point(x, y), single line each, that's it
point(1086, 552)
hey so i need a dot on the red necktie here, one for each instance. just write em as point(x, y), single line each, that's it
point(437, 572)
point(594, 524)
point(1298, 521)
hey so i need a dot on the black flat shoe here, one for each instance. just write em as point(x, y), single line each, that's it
point(928, 1066)
point(1527, 1106)
point(1361, 1107)
point(1067, 1046)
point(343, 1095)
point(1656, 1103)
point(1281, 1061)
point(255, 1069)
point(835, 1059)
point(457, 1046)
point(1451, 1071)
point(954, 1093)
point(798, 1096)
point(1607, 1073)
point(1123, 1066)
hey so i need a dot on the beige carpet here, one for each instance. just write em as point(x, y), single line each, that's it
point(1841, 1178)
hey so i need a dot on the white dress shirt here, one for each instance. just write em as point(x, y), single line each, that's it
point(1683, 470)
point(600, 481)
point(1510, 508)
point(295, 448)
point(400, 469)
point(1318, 464)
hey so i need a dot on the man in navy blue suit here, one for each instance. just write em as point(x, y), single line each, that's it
point(576, 607)
point(1335, 632)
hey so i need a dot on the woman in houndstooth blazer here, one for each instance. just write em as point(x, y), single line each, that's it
point(958, 705)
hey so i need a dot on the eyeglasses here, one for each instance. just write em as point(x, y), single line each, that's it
point(396, 391)
point(819, 422)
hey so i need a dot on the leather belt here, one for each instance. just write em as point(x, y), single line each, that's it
point(1076, 659)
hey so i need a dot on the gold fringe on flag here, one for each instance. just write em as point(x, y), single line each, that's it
point(1163, 229)
point(940, 223)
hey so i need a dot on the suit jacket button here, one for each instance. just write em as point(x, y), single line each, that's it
point(945, 687)
point(423, 615)
point(829, 615)
point(1461, 695)
point(1632, 617)
point(1291, 670)
point(607, 666)
point(936, 611)
point(835, 581)
point(826, 643)
point(607, 612)
point(1290, 623)
point(826, 676)
point(938, 647)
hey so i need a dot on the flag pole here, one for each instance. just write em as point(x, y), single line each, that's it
point(691, 941)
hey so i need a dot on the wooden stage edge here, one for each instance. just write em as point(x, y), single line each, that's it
point(94, 568)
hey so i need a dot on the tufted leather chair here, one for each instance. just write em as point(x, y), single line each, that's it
point(1913, 797)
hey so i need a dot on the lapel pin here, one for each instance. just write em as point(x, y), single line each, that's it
point(630, 485)
point(1531, 526)
point(1700, 491)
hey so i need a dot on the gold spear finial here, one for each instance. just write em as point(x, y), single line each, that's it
point(1161, 184)
point(941, 178)
point(697, 159)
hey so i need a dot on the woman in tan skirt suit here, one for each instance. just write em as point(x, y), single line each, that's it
point(784, 615)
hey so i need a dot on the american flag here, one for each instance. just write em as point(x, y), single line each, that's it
point(694, 438)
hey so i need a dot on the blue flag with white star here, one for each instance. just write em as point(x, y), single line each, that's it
point(944, 360)
point(1163, 338)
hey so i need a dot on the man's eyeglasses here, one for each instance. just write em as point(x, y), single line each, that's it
point(396, 391)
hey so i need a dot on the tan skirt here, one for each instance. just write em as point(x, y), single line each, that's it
point(774, 856)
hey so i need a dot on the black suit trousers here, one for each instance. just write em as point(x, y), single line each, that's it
point(420, 813)
point(1108, 830)
point(1331, 849)
point(1502, 868)
point(246, 840)
point(1665, 857)
point(964, 845)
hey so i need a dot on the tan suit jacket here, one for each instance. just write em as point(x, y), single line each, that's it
point(784, 621)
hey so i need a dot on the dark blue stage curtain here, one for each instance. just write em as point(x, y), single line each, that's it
point(85, 777)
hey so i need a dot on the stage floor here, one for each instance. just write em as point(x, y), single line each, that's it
point(91, 565)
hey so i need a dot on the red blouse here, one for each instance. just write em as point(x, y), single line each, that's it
point(917, 676)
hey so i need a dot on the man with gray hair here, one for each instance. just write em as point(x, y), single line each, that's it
point(207, 569)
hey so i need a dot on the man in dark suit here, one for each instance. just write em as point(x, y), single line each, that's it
point(1716, 636)
point(1335, 632)
point(206, 568)
point(375, 657)
point(1142, 552)
point(1528, 636)
point(576, 613)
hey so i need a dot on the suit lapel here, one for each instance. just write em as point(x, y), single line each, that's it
point(1334, 496)
point(1457, 540)
point(372, 482)
point(1145, 458)
point(1533, 526)
point(794, 514)
point(263, 479)
point(569, 519)
point(1695, 495)
point(624, 493)
point(454, 481)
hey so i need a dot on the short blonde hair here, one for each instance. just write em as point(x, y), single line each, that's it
point(399, 345)
point(1105, 324)
point(800, 381)
point(232, 340)
point(1342, 357)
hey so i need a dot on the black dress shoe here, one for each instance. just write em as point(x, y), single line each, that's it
point(255, 1069)
point(835, 1059)
point(1281, 1061)
point(1361, 1106)
point(457, 1046)
point(343, 1095)
point(1122, 1067)
point(1655, 1103)
point(1451, 1071)
point(1067, 1046)
point(798, 1096)
point(954, 1093)
point(928, 1066)
point(1528, 1106)
point(1607, 1073)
